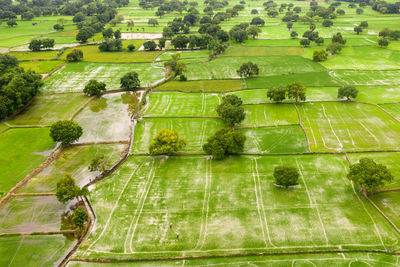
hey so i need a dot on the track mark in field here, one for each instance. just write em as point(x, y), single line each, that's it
point(260, 204)
point(309, 125)
point(16, 251)
point(371, 133)
point(115, 206)
point(203, 104)
point(345, 123)
point(206, 205)
point(139, 208)
point(330, 124)
point(372, 219)
point(202, 132)
point(300, 168)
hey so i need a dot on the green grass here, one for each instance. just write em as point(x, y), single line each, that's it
point(203, 54)
point(44, 110)
point(91, 53)
point(382, 77)
point(29, 55)
point(202, 86)
point(269, 115)
point(22, 151)
point(349, 126)
point(44, 213)
point(307, 79)
point(229, 206)
point(240, 51)
point(393, 109)
point(2, 127)
point(73, 160)
point(182, 104)
point(43, 250)
point(74, 76)
point(105, 119)
point(389, 203)
point(194, 130)
point(41, 66)
point(280, 139)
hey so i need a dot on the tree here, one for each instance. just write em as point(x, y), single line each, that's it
point(286, 176)
point(364, 24)
point(296, 91)
point(254, 11)
point(58, 27)
point(239, 35)
point(161, 43)
point(94, 88)
point(359, 11)
point(153, 22)
point(334, 48)
point(248, 69)
point(320, 55)
point(358, 30)
point(347, 91)
point(253, 31)
point(67, 190)
point(338, 38)
point(174, 65)
point(384, 33)
point(79, 17)
point(369, 175)
point(257, 21)
point(108, 33)
point(27, 15)
point(327, 23)
point(150, 45)
point(224, 142)
point(231, 110)
point(305, 42)
point(117, 34)
point(294, 34)
point(319, 41)
point(75, 55)
point(131, 47)
point(289, 25)
point(180, 42)
point(130, 81)
point(100, 164)
point(277, 94)
point(35, 45)
point(80, 217)
point(48, 43)
point(11, 23)
point(383, 42)
point(65, 131)
point(166, 142)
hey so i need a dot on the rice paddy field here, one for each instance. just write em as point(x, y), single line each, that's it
point(188, 208)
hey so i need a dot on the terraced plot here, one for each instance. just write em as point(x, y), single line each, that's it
point(44, 110)
point(105, 119)
point(349, 126)
point(74, 76)
point(182, 104)
point(194, 130)
point(373, 77)
point(238, 51)
point(249, 214)
point(41, 66)
point(202, 86)
point(393, 109)
point(269, 115)
point(22, 151)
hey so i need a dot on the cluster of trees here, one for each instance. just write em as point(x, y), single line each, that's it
point(192, 41)
point(386, 8)
point(174, 66)
point(17, 87)
point(294, 91)
point(248, 69)
point(315, 13)
point(336, 45)
point(39, 44)
point(231, 110)
point(109, 45)
point(75, 55)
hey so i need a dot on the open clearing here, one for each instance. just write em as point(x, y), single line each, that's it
point(250, 214)
point(342, 126)
point(22, 151)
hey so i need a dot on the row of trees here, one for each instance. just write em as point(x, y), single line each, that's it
point(39, 44)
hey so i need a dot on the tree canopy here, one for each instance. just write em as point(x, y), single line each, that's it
point(166, 142)
point(348, 91)
point(286, 175)
point(231, 110)
point(68, 190)
point(248, 69)
point(75, 55)
point(94, 88)
point(65, 131)
point(296, 91)
point(130, 81)
point(80, 217)
point(224, 142)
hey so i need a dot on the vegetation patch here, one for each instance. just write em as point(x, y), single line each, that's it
point(41, 55)
point(269, 115)
point(41, 66)
point(202, 86)
point(253, 51)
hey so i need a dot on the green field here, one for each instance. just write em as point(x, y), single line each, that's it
point(202, 86)
point(393, 109)
point(73, 160)
point(349, 126)
point(45, 110)
point(237, 51)
point(35, 55)
point(41, 66)
point(146, 195)
point(22, 151)
point(74, 76)
point(378, 77)
point(269, 115)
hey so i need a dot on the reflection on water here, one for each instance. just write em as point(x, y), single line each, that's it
point(98, 104)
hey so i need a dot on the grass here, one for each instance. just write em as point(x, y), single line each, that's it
point(73, 160)
point(29, 55)
point(203, 54)
point(349, 126)
point(253, 51)
point(229, 206)
point(202, 86)
point(393, 109)
point(105, 119)
point(44, 110)
point(74, 76)
point(41, 66)
point(44, 250)
point(280, 139)
point(44, 213)
point(91, 53)
point(22, 151)
point(182, 104)
point(377, 77)
point(389, 203)
point(3, 127)
point(194, 130)
point(269, 115)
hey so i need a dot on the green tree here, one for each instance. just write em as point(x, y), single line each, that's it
point(131, 47)
point(108, 33)
point(248, 69)
point(180, 42)
point(319, 41)
point(277, 94)
point(100, 164)
point(161, 43)
point(150, 45)
point(166, 142)
point(338, 38)
point(11, 23)
point(286, 175)
point(296, 91)
point(80, 217)
point(257, 21)
point(253, 31)
point(35, 45)
point(364, 24)
point(65, 131)
point(152, 22)
point(305, 42)
point(334, 48)
point(117, 34)
point(239, 35)
point(320, 55)
point(369, 175)
point(67, 190)
point(327, 23)
point(294, 34)
point(231, 110)
point(175, 66)
point(383, 42)
point(358, 30)
point(347, 91)
point(224, 142)
point(130, 81)
point(94, 88)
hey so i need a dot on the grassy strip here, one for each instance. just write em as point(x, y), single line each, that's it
point(201, 86)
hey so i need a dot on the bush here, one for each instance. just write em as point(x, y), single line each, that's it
point(286, 176)
point(131, 47)
point(182, 78)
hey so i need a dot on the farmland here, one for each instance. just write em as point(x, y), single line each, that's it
point(152, 200)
